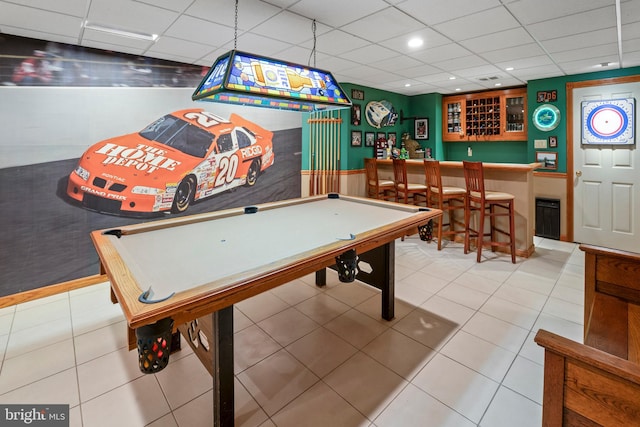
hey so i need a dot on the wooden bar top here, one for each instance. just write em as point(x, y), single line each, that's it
point(515, 167)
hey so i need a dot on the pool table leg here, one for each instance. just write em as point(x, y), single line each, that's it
point(222, 355)
point(382, 275)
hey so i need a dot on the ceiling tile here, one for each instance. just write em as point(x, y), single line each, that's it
point(131, 16)
point(200, 31)
point(16, 16)
point(580, 23)
point(336, 42)
point(287, 26)
point(513, 53)
point(336, 13)
point(429, 37)
point(479, 24)
point(529, 12)
point(250, 14)
point(383, 25)
point(441, 11)
point(500, 40)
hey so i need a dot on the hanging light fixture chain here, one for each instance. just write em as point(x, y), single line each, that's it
point(235, 33)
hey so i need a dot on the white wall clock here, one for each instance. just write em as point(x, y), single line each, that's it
point(546, 117)
point(608, 121)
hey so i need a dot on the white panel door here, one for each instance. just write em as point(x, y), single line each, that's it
point(607, 179)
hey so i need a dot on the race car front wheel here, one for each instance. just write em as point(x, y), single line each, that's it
point(184, 195)
point(253, 172)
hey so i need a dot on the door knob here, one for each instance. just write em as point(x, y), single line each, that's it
point(578, 174)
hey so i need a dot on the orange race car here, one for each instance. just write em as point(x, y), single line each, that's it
point(184, 156)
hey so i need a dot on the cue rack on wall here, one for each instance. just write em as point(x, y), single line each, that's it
point(324, 152)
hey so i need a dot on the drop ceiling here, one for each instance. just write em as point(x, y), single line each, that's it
point(467, 45)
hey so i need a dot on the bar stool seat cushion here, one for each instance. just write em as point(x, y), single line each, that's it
point(493, 195)
point(385, 183)
point(449, 191)
point(413, 187)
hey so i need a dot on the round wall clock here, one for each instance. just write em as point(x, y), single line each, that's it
point(607, 122)
point(546, 117)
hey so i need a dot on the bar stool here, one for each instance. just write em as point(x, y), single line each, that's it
point(404, 189)
point(447, 199)
point(377, 188)
point(485, 203)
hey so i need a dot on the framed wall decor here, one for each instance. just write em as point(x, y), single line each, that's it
point(369, 139)
point(357, 94)
point(548, 159)
point(356, 138)
point(422, 129)
point(392, 137)
point(356, 115)
point(381, 135)
point(553, 141)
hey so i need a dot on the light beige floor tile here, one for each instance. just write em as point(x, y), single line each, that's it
point(6, 320)
point(277, 380)
point(36, 365)
point(98, 317)
point(198, 412)
point(287, 326)
point(452, 311)
point(569, 293)
point(443, 269)
point(356, 328)
point(543, 266)
point(531, 282)
point(184, 380)
point(510, 409)
point(134, 404)
point(240, 321)
point(497, 268)
point(568, 329)
point(60, 388)
point(319, 406)
point(261, 306)
point(415, 408)
point(40, 314)
point(423, 281)
point(463, 295)
point(510, 312)
point(524, 297)
point(427, 328)
point(352, 294)
point(365, 384)
point(247, 411)
point(496, 331)
point(478, 283)
point(166, 421)
point(100, 342)
point(62, 296)
point(107, 372)
point(10, 310)
point(372, 307)
point(36, 337)
point(532, 351)
point(481, 356)
point(526, 377)
point(322, 308)
point(401, 354)
point(295, 292)
point(321, 351)
point(251, 345)
point(460, 388)
point(75, 417)
point(564, 310)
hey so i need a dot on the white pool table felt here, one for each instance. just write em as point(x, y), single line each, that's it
point(182, 257)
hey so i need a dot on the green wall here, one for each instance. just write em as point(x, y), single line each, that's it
point(559, 84)
point(430, 106)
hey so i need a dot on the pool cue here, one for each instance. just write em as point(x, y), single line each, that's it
point(311, 155)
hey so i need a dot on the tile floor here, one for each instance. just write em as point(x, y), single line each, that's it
point(460, 351)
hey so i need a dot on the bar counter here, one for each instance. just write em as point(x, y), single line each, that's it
point(514, 178)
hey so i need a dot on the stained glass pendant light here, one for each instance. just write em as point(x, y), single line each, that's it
point(253, 80)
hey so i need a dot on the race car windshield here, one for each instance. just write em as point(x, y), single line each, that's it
point(182, 136)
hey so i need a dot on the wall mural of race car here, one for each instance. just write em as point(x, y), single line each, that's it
point(184, 156)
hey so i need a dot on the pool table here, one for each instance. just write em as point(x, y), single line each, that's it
point(192, 269)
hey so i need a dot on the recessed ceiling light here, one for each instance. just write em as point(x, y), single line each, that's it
point(452, 78)
point(498, 84)
point(407, 84)
point(457, 89)
point(605, 64)
point(509, 69)
point(415, 42)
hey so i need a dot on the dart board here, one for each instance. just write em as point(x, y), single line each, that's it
point(608, 121)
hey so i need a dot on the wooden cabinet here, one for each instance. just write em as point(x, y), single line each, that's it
point(498, 115)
